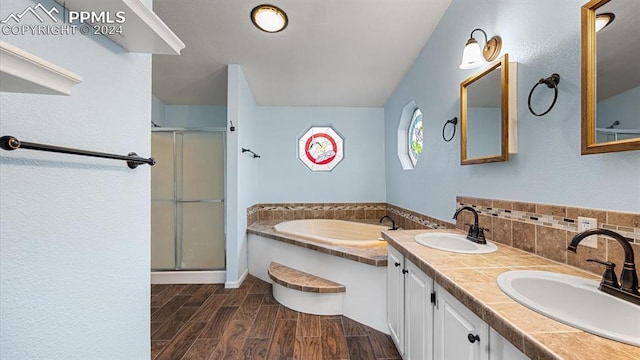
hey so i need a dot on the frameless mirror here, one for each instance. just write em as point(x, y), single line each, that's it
point(484, 115)
point(610, 76)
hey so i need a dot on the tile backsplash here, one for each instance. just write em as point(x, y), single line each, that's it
point(542, 229)
point(547, 230)
point(411, 220)
point(297, 211)
point(404, 218)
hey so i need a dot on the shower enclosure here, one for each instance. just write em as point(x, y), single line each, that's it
point(187, 200)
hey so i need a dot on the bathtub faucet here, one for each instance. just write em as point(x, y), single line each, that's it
point(393, 223)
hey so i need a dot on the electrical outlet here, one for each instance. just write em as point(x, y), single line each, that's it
point(585, 223)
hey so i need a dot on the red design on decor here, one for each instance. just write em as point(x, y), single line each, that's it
point(317, 148)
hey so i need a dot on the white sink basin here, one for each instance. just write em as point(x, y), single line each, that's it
point(454, 243)
point(574, 301)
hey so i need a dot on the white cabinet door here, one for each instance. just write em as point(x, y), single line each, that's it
point(418, 314)
point(395, 297)
point(501, 349)
point(458, 333)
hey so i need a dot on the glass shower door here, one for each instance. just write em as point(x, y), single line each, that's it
point(197, 229)
point(200, 199)
point(163, 205)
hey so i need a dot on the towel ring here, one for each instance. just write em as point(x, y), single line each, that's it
point(552, 83)
point(453, 121)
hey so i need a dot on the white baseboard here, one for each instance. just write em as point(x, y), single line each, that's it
point(236, 284)
point(188, 277)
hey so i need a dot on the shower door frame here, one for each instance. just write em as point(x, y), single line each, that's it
point(177, 243)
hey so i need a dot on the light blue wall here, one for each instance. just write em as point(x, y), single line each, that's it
point(195, 116)
point(241, 172)
point(157, 111)
point(624, 107)
point(278, 176)
point(548, 167)
point(282, 177)
point(484, 133)
point(188, 116)
point(75, 231)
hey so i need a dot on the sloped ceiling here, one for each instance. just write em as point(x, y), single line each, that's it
point(333, 53)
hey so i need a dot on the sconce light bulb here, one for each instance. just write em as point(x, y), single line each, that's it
point(471, 56)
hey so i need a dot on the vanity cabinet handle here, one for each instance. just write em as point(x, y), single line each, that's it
point(396, 264)
point(473, 338)
point(404, 271)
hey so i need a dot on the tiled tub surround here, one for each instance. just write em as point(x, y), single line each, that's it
point(472, 280)
point(375, 255)
point(547, 230)
point(542, 229)
point(298, 211)
point(411, 220)
point(404, 218)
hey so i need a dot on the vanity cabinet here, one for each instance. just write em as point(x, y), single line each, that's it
point(409, 308)
point(418, 313)
point(501, 349)
point(458, 332)
point(395, 297)
point(428, 323)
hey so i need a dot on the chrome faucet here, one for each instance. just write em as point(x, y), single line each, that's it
point(393, 223)
point(476, 233)
point(628, 287)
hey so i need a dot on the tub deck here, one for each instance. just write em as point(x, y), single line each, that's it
point(362, 271)
point(374, 255)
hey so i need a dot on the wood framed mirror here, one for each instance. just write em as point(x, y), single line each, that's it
point(487, 102)
point(610, 76)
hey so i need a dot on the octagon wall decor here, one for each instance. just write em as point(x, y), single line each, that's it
point(321, 148)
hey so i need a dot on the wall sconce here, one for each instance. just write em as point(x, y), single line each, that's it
point(471, 57)
point(603, 20)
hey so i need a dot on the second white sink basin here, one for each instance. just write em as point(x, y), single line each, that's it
point(574, 301)
point(454, 243)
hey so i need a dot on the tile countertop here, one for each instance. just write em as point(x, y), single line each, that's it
point(374, 255)
point(472, 280)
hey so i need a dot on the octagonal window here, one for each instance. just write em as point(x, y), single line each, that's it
point(410, 135)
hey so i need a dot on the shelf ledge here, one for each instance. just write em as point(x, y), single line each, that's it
point(142, 31)
point(23, 72)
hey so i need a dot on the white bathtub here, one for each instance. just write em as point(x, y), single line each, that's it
point(333, 232)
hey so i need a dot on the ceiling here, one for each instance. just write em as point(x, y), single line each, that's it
point(333, 53)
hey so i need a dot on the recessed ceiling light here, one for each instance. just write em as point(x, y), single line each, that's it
point(269, 18)
point(603, 20)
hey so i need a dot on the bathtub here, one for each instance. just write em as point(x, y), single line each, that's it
point(365, 299)
point(333, 232)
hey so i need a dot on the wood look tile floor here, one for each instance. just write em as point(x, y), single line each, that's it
point(208, 322)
